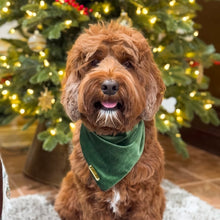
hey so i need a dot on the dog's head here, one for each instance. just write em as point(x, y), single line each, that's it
point(112, 81)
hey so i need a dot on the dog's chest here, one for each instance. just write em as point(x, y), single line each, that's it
point(115, 201)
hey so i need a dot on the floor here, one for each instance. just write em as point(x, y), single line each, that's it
point(200, 174)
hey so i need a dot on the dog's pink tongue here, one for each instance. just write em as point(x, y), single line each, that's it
point(109, 104)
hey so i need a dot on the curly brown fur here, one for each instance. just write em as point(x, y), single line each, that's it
point(103, 52)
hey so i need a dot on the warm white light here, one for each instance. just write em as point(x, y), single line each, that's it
point(185, 18)
point(145, 11)
point(207, 106)
point(60, 72)
point(172, 3)
point(196, 34)
point(162, 116)
point(179, 119)
point(192, 94)
point(166, 122)
point(53, 101)
point(8, 4)
point(7, 83)
point(72, 125)
point(17, 64)
point(14, 105)
point(191, 1)
point(1, 86)
point(5, 92)
point(30, 91)
point(97, 14)
point(68, 22)
point(14, 97)
point(3, 57)
point(178, 111)
point(59, 120)
point(196, 72)
point(5, 9)
point(42, 3)
point(154, 50)
point(50, 73)
point(167, 66)
point(22, 111)
point(12, 31)
point(53, 132)
point(178, 135)
point(42, 54)
point(138, 11)
point(29, 13)
point(160, 48)
point(106, 9)
point(46, 63)
point(153, 20)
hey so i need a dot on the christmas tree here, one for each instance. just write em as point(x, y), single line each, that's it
point(32, 71)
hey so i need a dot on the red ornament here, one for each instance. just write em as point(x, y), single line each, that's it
point(216, 62)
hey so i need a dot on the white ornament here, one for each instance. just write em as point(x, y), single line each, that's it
point(37, 42)
point(169, 104)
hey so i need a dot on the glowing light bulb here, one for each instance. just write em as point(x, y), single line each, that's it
point(192, 94)
point(53, 101)
point(37, 111)
point(50, 73)
point(178, 111)
point(29, 13)
point(167, 66)
point(60, 72)
point(179, 119)
point(3, 57)
point(196, 34)
point(46, 63)
point(30, 91)
point(178, 135)
point(162, 116)
point(1, 86)
point(154, 50)
point(166, 122)
point(5, 92)
point(17, 64)
point(42, 54)
point(53, 132)
point(138, 11)
point(106, 9)
point(97, 14)
point(68, 22)
point(172, 3)
point(14, 105)
point(145, 11)
point(72, 125)
point(8, 4)
point(5, 9)
point(153, 20)
point(160, 48)
point(7, 83)
point(42, 4)
point(196, 72)
point(59, 120)
point(12, 31)
point(22, 111)
point(191, 1)
point(14, 97)
point(207, 106)
point(185, 18)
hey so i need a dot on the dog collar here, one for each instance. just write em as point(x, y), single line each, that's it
point(111, 158)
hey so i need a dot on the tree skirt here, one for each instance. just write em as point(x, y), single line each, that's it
point(180, 205)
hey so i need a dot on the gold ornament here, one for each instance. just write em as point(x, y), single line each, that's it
point(37, 42)
point(124, 19)
point(46, 100)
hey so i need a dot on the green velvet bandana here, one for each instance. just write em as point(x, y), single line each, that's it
point(111, 158)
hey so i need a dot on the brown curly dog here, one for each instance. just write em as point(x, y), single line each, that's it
point(112, 84)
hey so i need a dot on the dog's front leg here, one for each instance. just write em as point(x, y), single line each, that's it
point(66, 203)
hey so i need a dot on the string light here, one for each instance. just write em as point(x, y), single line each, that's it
point(145, 11)
point(72, 125)
point(22, 111)
point(162, 116)
point(60, 72)
point(14, 105)
point(106, 9)
point(53, 132)
point(179, 119)
point(192, 94)
point(178, 135)
point(5, 9)
point(53, 101)
point(158, 49)
point(191, 1)
point(14, 97)
point(3, 58)
point(30, 91)
point(50, 73)
point(172, 3)
point(7, 83)
point(196, 72)
point(37, 111)
point(30, 13)
point(207, 106)
point(185, 18)
point(12, 31)
point(5, 92)
point(59, 120)
point(153, 20)
point(46, 63)
point(17, 64)
point(68, 22)
point(97, 14)
point(138, 11)
point(196, 34)
point(166, 122)
point(178, 111)
point(167, 66)
point(42, 54)
point(8, 4)
point(1, 86)
point(42, 4)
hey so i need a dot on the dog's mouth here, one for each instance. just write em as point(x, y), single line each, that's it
point(108, 105)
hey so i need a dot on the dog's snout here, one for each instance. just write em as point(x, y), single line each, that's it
point(109, 87)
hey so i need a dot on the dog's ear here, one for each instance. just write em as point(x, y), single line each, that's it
point(155, 87)
point(70, 84)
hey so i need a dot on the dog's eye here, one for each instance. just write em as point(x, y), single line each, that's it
point(127, 64)
point(94, 62)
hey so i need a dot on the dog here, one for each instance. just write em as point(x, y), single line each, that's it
point(112, 86)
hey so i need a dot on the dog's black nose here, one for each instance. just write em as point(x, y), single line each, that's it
point(109, 87)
